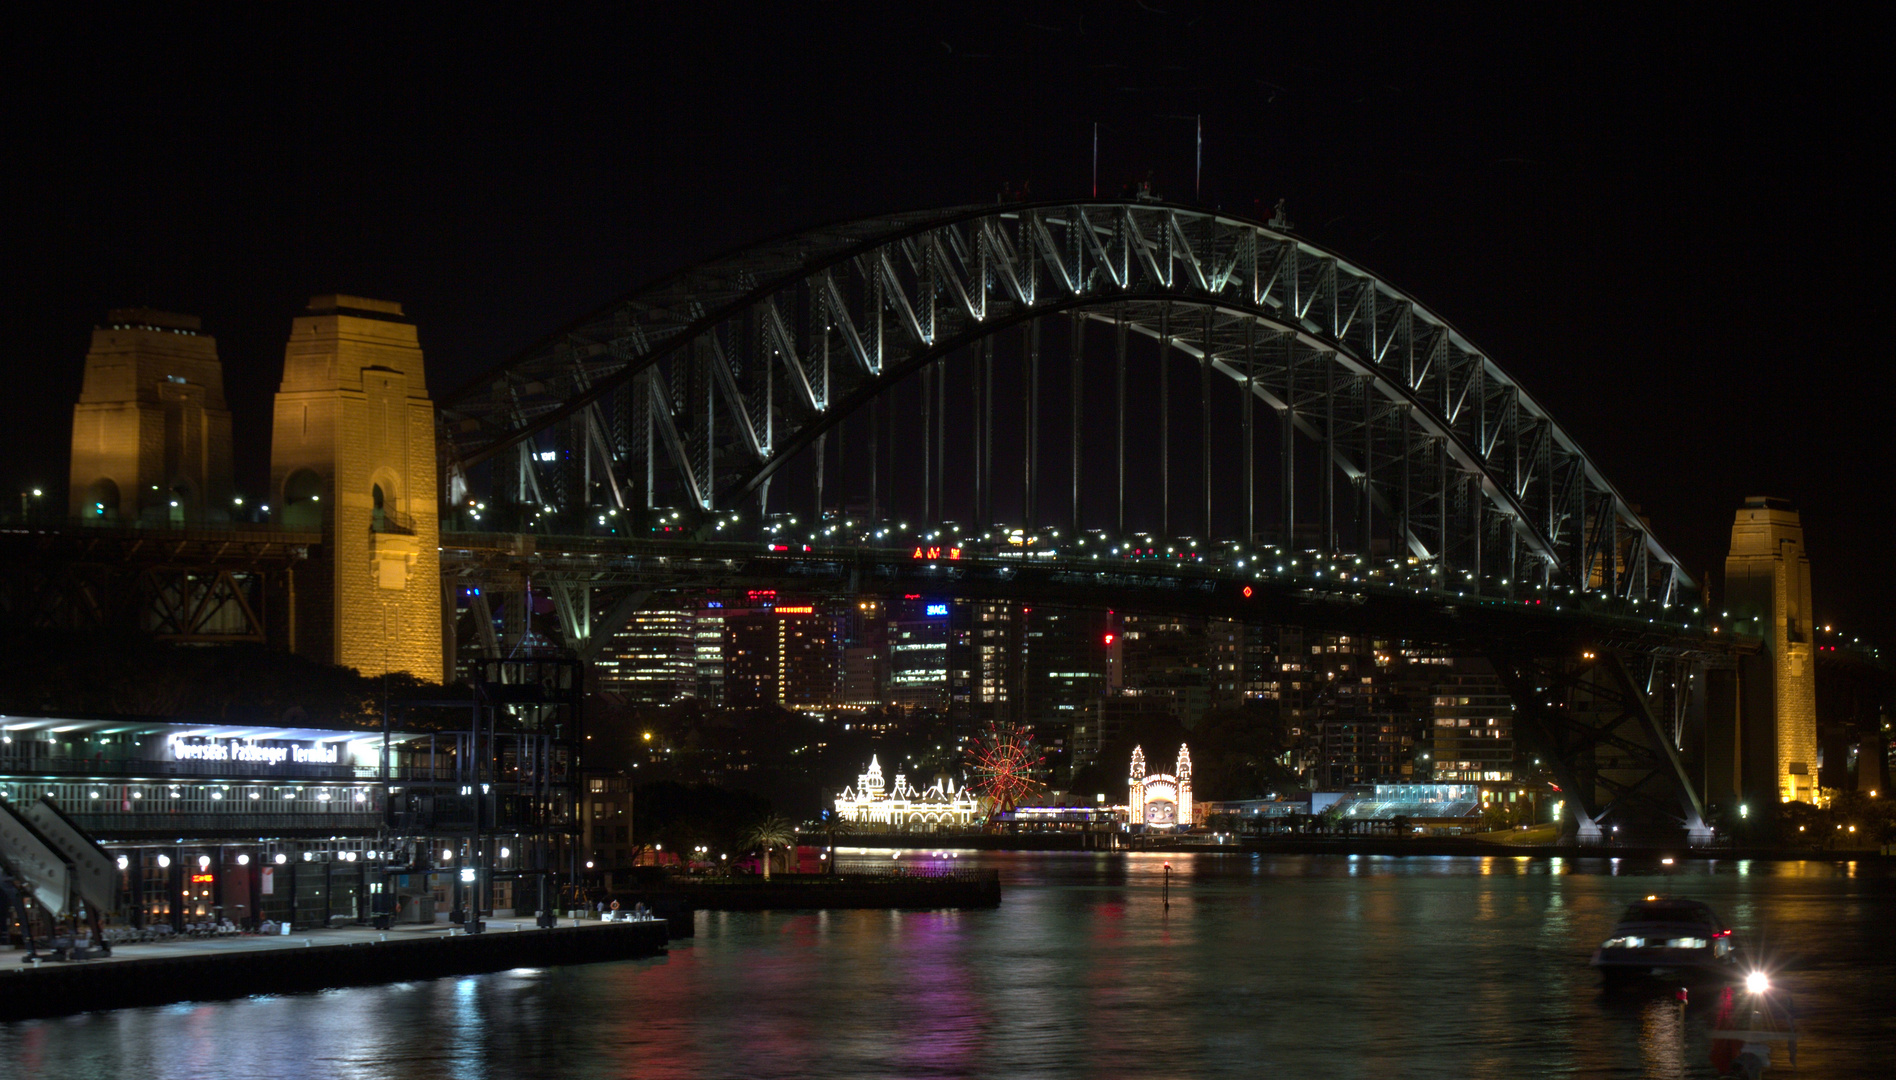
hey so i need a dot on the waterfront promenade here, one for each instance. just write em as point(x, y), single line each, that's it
point(239, 965)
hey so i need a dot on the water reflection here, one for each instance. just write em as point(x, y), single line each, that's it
point(1280, 965)
point(1662, 1037)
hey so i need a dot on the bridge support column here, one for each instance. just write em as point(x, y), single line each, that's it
point(1596, 728)
point(1588, 831)
point(1119, 429)
point(151, 433)
point(1077, 357)
point(1767, 591)
point(352, 454)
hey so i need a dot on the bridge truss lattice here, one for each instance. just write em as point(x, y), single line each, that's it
point(1392, 428)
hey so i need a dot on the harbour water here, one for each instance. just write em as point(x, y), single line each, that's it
point(1278, 965)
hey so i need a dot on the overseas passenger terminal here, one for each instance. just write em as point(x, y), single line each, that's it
point(236, 826)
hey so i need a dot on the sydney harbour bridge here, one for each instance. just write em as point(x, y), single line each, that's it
point(1151, 406)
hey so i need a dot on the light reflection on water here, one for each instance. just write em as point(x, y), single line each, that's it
point(1287, 966)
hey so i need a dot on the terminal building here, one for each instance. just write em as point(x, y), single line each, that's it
point(297, 826)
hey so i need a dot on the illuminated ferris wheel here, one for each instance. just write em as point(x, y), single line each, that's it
point(1004, 760)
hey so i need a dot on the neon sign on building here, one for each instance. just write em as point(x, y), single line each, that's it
point(936, 553)
point(189, 749)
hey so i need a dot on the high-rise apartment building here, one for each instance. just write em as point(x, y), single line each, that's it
point(652, 659)
point(984, 659)
point(1471, 728)
point(707, 646)
point(782, 655)
point(917, 637)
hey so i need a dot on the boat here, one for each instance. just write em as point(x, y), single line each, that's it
point(1748, 1026)
point(1667, 937)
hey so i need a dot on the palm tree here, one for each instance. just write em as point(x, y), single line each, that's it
point(767, 833)
point(833, 825)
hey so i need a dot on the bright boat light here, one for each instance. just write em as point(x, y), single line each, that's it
point(1757, 982)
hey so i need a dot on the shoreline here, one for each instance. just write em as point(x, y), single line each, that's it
point(1391, 846)
point(216, 969)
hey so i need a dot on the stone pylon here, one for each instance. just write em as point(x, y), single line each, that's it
point(1767, 593)
point(151, 432)
point(352, 457)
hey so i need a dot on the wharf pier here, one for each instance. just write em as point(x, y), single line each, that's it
point(214, 968)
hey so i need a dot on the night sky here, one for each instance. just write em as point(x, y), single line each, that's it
point(1669, 227)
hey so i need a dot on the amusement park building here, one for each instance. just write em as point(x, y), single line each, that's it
point(1160, 800)
point(902, 806)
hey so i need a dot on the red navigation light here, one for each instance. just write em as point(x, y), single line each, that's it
point(1247, 592)
point(1109, 638)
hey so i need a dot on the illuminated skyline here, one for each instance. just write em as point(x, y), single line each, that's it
point(1620, 217)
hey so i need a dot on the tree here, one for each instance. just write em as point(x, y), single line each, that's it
point(1497, 817)
point(833, 825)
point(769, 832)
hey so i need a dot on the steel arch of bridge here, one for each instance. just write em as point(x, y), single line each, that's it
point(704, 384)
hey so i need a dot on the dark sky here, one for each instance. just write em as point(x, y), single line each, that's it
point(1668, 226)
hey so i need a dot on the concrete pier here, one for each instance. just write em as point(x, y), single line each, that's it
point(195, 969)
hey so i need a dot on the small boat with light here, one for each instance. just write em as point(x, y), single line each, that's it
point(1750, 1023)
point(1666, 937)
